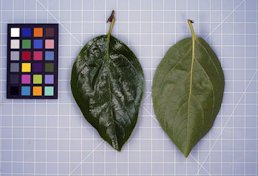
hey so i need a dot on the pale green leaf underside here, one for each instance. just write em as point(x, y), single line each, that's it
point(187, 95)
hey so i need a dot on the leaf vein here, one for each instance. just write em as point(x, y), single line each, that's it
point(172, 68)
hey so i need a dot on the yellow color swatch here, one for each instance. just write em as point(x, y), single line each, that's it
point(26, 67)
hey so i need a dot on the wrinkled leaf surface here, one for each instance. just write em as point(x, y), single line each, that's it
point(107, 84)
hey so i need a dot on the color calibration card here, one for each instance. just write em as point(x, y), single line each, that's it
point(32, 61)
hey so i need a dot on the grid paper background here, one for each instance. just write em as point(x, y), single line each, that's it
point(50, 137)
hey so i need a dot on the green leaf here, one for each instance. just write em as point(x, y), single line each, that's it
point(107, 83)
point(187, 91)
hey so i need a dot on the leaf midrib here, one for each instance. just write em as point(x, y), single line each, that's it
point(191, 80)
point(107, 61)
point(190, 90)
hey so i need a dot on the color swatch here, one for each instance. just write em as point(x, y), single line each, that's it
point(32, 61)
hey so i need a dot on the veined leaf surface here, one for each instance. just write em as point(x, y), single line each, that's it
point(107, 83)
point(187, 91)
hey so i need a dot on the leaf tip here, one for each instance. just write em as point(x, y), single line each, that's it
point(186, 151)
point(115, 145)
point(186, 154)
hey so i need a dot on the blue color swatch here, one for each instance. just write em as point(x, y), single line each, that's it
point(26, 32)
point(49, 55)
point(38, 44)
point(25, 90)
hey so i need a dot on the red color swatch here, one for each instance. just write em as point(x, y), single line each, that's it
point(26, 55)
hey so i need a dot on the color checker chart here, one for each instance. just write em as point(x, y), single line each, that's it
point(32, 61)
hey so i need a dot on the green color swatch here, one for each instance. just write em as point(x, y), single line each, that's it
point(49, 67)
point(26, 44)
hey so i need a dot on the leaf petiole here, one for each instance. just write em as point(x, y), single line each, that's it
point(112, 20)
point(190, 23)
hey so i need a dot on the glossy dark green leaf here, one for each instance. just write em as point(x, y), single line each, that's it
point(107, 83)
point(187, 91)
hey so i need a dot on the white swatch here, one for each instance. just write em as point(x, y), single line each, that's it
point(15, 44)
point(15, 32)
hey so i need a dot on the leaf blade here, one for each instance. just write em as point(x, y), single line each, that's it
point(176, 102)
point(108, 91)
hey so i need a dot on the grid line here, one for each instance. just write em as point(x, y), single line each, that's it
point(52, 138)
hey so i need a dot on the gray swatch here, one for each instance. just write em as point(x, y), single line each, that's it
point(14, 67)
point(15, 55)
